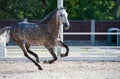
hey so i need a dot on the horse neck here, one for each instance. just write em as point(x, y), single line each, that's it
point(53, 24)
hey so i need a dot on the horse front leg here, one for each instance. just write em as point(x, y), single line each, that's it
point(51, 50)
point(63, 45)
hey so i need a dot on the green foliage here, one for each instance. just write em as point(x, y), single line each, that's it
point(77, 9)
point(19, 9)
point(91, 9)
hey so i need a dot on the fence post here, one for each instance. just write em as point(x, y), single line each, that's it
point(92, 31)
point(59, 4)
point(60, 36)
point(3, 50)
point(5, 38)
point(118, 38)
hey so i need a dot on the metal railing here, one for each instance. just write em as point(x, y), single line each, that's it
point(59, 50)
point(75, 51)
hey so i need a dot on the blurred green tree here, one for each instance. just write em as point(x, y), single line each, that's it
point(19, 9)
point(92, 9)
point(77, 9)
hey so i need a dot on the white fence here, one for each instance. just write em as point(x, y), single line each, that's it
point(80, 52)
point(90, 53)
point(75, 51)
point(92, 33)
point(3, 52)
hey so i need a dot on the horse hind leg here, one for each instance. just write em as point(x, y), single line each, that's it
point(63, 45)
point(53, 54)
point(25, 53)
point(21, 45)
point(27, 45)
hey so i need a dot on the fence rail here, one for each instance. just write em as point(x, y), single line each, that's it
point(75, 51)
point(89, 33)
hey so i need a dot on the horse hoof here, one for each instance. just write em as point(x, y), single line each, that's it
point(40, 68)
point(62, 55)
point(48, 62)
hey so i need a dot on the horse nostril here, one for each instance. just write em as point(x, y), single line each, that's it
point(66, 26)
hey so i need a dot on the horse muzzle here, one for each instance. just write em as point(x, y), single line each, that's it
point(66, 26)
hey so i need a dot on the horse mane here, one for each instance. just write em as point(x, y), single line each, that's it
point(48, 16)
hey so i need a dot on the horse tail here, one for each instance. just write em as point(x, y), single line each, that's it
point(5, 31)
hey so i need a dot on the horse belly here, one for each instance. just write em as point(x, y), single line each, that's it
point(35, 42)
point(34, 39)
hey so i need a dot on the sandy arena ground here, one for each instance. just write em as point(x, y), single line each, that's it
point(60, 70)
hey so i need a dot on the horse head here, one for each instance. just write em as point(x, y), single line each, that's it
point(63, 17)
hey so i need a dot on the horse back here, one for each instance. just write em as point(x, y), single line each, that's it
point(30, 33)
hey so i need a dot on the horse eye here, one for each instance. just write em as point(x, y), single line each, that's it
point(61, 15)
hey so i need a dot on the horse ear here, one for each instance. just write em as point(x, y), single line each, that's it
point(61, 8)
point(65, 7)
point(58, 8)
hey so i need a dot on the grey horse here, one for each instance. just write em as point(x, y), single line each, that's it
point(45, 33)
